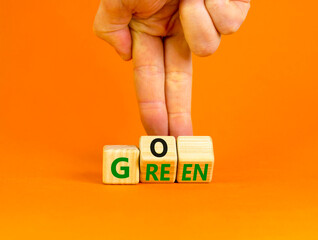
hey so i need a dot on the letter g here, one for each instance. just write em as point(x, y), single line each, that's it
point(123, 168)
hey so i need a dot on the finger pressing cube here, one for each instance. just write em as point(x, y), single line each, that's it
point(158, 159)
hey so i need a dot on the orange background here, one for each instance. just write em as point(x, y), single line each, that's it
point(64, 94)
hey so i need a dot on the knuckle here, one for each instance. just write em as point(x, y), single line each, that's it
point(178, 76)
point(99, 30)
point(226, 17)
point(152, 104)
point(149, 70)
point(213, 5)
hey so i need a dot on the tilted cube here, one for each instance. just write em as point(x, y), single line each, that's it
point(195, 159)
point(158, 159)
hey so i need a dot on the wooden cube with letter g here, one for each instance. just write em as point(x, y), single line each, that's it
point(120, 164)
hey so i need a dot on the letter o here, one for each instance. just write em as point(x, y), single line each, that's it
point(164, 144)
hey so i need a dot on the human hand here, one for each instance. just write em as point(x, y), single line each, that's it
point(159, 36)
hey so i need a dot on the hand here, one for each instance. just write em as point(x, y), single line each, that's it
point(159, 35)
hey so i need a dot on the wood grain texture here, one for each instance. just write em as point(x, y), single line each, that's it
point(113, 152)
point(196, 152)
point(146, 157)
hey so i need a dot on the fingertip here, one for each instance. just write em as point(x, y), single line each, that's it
point(154, 120)
point(180, 125)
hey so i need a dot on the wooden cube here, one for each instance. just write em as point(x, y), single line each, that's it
point(195, 159)
point(120, 164)
point(158, 159)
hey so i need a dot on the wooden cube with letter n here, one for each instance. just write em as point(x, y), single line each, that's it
point(158, 159)
point(195, 159)
point(120, 164)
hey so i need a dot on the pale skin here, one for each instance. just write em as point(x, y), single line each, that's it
point(159, 36)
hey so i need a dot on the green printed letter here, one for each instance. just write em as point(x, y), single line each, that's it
point(185, 172)
point(163, 172)
point(152, 173)
point(198, 169)
point(123, 168)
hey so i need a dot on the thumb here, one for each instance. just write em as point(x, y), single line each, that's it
point(111, 24)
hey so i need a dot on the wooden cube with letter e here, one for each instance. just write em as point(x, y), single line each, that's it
point(158, 159)
point(195, 159)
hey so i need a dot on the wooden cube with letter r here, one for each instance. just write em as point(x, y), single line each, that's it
point(158, 159)
point(120, 164)
point(195, 159)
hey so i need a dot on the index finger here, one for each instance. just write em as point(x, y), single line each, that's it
point(178, 68)
point(150, 82)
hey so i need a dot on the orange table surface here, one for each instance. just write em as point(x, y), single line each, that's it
point(54, 196)
point(64, 94)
